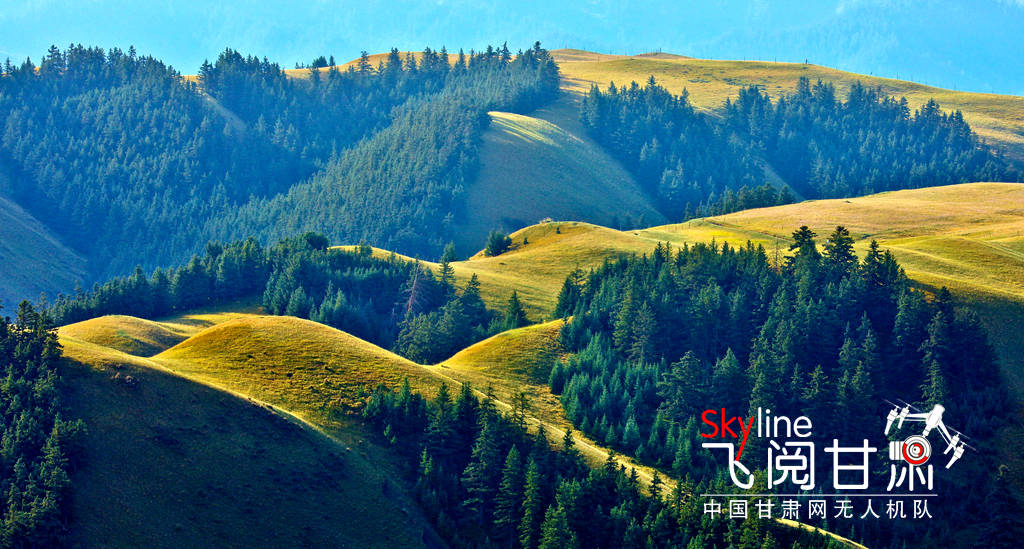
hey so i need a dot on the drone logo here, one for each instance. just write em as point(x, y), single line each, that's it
point(915, 449)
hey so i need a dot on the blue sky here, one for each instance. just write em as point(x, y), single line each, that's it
point(964, 45)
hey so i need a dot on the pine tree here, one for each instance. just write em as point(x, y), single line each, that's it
point(644, 329)
point(515, 316)
point(839, 253)
point(497, 244)
point(555, 531)
point(570, 294)
point(508, 505)
point(631, 435)
point(533, 506)
point(481, 475)
point(935, 389)
point(449, 255)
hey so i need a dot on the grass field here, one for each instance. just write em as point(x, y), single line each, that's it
point(212, 418)
point(307, 368)
point(173, 463)
point(317, 375)
point(997, 118)
point(968, 237)
point(512, 362)
point(545, 166)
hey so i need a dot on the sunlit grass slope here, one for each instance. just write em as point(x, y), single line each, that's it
point(967, 237)
point(308, 368)
point(514, 361)
point(174, 463)
point(130, 335)
point(998, 118)
point(545, 166)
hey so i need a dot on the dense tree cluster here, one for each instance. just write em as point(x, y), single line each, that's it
point(696, 163)
point(39, 447)
point(123, 159)
point(130, 163)
point(386, 300)
point(826, 147)
point(680, 157)
point(484, 481)
point(660, 338)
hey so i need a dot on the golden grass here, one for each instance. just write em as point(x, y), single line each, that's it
point(170, 461)
point(967, 237)
point(997, 118)
point(311, 371)
point(308, 368)
point(130, 335)
point(512, 362)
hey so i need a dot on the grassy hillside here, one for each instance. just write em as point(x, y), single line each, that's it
point(312, 373)
point(32, 259)
point(997, 118)
point(305, 367)
point(967, 237)
point(174, 463)
point(545, 166)
point(512, 362)
point(127, 334)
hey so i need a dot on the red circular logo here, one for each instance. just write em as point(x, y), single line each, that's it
point(916, 450)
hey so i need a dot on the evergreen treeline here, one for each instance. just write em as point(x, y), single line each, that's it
point(389, 301)
point(39, 447)
point(400, 189)
point(824, 147)
point(680, 157)
point(485, 482)
point(661, 338)
point(129, 163)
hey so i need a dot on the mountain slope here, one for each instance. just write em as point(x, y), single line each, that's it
point(545, 166)
point(968, 237)
point(515, 361)
point(127, 334)
point(174, 463)
point(318, 375)
point(308, 368)
point(32, 258)
point(997, 118)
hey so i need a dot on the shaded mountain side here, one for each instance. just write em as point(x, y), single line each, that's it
point(32, 258)
point(174, 463)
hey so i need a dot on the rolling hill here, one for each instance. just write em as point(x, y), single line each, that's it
point(193, 462)
point(511, 362)
point(967, 237)
point(174, 463)
point(545, 166)
point(308, 368)
point(997, 118)
point(315, 375)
